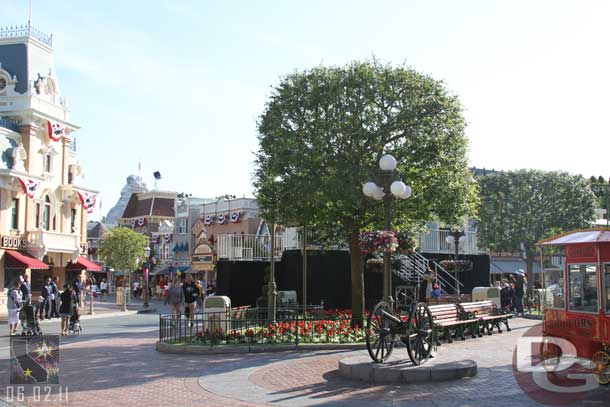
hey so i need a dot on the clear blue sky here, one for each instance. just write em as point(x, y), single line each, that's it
point(180, 84)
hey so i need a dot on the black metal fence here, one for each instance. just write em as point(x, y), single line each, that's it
point(253, 326)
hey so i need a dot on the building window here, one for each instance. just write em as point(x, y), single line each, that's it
point(164, 252)
point(15, 214)
point(182, 225)
point(46, 214)
point(583, 287)
point(37, 215)
point(47, 162)
point(72, 220)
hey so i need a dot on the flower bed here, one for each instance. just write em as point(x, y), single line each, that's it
point(289, 332)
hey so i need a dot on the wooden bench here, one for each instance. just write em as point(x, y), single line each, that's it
point(488, 315)
point(447, 317)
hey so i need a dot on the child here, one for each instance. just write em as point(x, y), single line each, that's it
point(436, 291)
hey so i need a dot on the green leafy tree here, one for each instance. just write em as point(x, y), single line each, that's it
point(519, 208)
point(324, 130)
point(124, 248)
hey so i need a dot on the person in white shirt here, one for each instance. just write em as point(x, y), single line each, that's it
point(14, 303)
point(103, 288)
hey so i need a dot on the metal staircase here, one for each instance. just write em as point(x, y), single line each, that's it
point(411, 267)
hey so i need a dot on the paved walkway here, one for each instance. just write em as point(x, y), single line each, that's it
point(125, 370)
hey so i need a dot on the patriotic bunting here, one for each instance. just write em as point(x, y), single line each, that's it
point(222, 218)
point(29, 185)
point(167, 238)
point(132, 222)
point(87, 199)
point(56, 130)
point(140, 222)
point(235, 217)
point(208, 220)
point(155, 239)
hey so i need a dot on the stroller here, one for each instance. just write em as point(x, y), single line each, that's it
point(29, 323)
point(75, 327)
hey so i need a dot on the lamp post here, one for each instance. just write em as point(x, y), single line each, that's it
point(390, 188)
point(456, 237)
point(146, 274)
point(272, 287)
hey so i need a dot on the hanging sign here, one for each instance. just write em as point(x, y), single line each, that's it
point(12, 242)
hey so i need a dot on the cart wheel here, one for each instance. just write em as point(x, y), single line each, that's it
point(550, 356)
point(601, 372)
point(420, 334)
point(379, 337)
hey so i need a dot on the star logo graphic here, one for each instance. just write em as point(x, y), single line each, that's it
point(27, 373)
point(43, 351)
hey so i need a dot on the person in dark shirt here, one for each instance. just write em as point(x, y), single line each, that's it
point(26, 289)
point(77, 286)
point(520, 284)
point(54, 298)
point(67, 298)
point(191, 295)
point(45, 300)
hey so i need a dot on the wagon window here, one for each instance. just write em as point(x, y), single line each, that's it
point(583, 287)
point(553, 284)
point(607, 280)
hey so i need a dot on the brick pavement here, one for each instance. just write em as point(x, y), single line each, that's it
point(125, 370)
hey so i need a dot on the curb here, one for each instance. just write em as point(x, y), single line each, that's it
point(355, 368)
point(94, 316)
point(534, 317)
point(242, 349)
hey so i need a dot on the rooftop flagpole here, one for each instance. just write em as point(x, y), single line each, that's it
point(30, 15)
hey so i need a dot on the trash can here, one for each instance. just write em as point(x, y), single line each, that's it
point(487, 293)
point(217, 313)
point(120, 295)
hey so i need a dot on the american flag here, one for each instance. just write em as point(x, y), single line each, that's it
point(88, 200)
point(56, 130)
point(29, 186)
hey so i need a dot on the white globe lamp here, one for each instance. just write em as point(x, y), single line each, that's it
point(398, 188)
point(369, 189)
point(406, 194)
point(387, 163)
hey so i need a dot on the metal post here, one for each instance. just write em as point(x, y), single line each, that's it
point(607, 206)
point(272, 288)
point(146, 277)
point(304, 271)
point(387, 272)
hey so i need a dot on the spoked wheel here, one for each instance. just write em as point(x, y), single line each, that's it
point(379, 335)
point(550, 355)
point(420, 335)
point(601, 371)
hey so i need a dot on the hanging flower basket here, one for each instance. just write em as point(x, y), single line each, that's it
point(374, 264)
point(381, 241)
point(406, 242)
point(459, 265)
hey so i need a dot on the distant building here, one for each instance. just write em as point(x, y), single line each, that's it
point(153, 214)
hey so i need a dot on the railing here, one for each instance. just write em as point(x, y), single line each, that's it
point(9, 124)
point(254, 247)
point(252, 326)
point(434, 242)
point(53, 241)
point(26, 31)
point(445, 278)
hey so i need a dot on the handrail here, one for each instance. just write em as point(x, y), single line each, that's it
point(445, 277)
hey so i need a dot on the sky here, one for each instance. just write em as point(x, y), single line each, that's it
point(179, 85)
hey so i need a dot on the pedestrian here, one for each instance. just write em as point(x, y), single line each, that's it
point(14, 304)
point(45, 299)
point(175, 298)
point(506, 295)
point(520, 283)
point(68, 300)
point(191, 295)
point(436, 291)
point(55, 297)
point(103, 288)
point(425, 289)
point(26, 289)
point(136, 291)
point(77, 286)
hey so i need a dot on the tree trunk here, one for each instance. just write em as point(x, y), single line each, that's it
point(530, 271)
point(357, 275)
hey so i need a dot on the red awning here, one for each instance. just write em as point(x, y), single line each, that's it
point(20, 260)
point(83, 263)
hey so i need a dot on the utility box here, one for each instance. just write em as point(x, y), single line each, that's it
point(487, 293)
point(217, 313)
point(120, 295)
